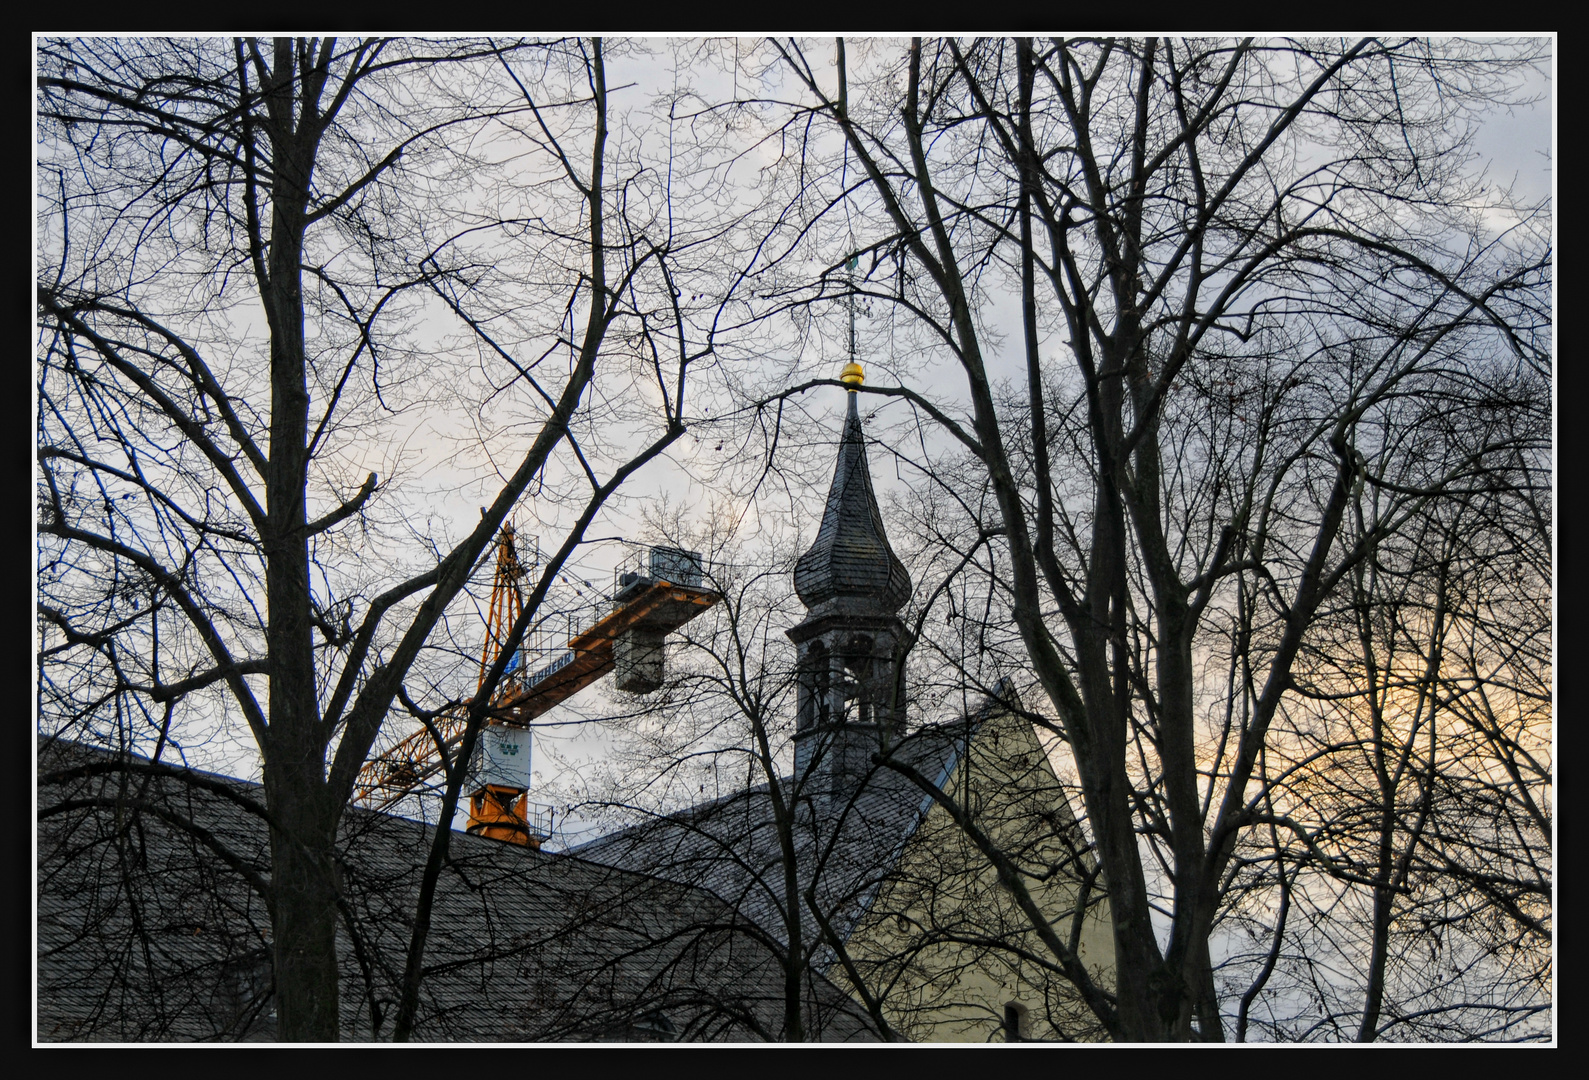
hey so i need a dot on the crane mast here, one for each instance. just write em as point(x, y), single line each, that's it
point(653, 595)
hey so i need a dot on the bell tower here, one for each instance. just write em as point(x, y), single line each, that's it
point(851, 643)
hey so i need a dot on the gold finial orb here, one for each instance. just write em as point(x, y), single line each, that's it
point(852, 375)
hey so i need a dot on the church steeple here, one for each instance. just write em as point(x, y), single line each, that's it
point(851, 642)
point(850, 559)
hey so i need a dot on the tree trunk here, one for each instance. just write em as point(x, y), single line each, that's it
point(304, 918)
point(1374, 997)
point(302, 847)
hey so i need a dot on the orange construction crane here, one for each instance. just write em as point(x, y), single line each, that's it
point(657, 594)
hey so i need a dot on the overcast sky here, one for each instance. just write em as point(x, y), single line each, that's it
point(1514, 145)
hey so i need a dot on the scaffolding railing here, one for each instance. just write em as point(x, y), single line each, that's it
point(546, 650)
point(538, 819)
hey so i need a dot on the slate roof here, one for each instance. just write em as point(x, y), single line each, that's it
point(145, 934)
point(850, 557)
point(849, 846)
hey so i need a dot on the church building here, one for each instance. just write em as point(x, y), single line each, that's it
point(856, 901)
point(868, 878)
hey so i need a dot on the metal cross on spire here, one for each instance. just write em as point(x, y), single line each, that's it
point(849, 275)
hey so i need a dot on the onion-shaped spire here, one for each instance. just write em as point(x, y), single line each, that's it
point(851, 557)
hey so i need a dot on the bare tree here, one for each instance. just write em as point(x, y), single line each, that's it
point(209, 551)
point(1408, 785)
point(1251, 287)
point(1264, 337)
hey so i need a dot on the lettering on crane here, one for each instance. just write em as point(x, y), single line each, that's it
point(551, 669)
